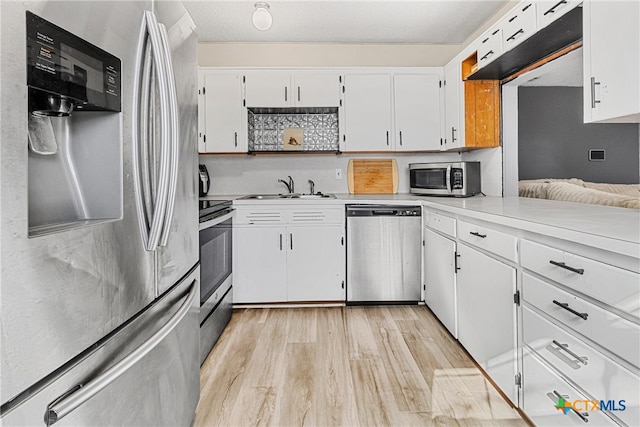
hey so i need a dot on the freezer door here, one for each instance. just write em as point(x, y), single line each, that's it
point(160, 387)
point(63, 292)
point(181, 250)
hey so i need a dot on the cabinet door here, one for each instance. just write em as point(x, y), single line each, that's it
point(486, 315)
point(259, 264)
point(611, 61)
point(315, 263)
point(268, 89)
point(368, 112)
point(223, 122)
point(439, 278)
point(316, 90)
point(417, 112)
point(453, 132)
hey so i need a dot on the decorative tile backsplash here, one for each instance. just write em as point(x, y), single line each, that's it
point(267, 129)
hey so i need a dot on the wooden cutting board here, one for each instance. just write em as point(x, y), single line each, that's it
point(377, 176)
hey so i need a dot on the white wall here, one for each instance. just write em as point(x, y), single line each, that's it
point(232, 174)
point(324, 55)
point(490, 169)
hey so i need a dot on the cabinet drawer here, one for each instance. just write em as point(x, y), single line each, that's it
point(540, 396)
point(315, 216)
point(286, 216)
point(612, 332)
point(613, 286)
point(595, 373)
point(441, 223)
point(258, 216)
point(550, 10)
point(518, 25)
point(497, 242)
point(490, 47)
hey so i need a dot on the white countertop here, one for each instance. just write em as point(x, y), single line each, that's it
point(609, 228)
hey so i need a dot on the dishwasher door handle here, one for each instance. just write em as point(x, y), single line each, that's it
point(387, 212)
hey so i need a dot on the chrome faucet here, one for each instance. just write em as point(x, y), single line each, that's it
point(289, 184)
point(312, 187)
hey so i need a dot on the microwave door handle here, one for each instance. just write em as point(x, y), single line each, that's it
point(163, 181)
point(140, 125)
point(174, 136)
point(448, 179)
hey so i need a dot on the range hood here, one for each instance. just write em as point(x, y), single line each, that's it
point(561, 33)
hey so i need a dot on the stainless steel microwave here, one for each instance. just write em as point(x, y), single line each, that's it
point(457, 179)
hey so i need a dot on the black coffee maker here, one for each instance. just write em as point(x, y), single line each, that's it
point(204, 182)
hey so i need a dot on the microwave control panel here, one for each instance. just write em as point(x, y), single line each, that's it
point(457, 179)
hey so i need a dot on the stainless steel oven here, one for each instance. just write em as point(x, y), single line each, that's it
point(216, 277)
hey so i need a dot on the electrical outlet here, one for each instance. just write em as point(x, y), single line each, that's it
point(338, 173)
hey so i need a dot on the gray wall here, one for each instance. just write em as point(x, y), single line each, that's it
point(553, 141)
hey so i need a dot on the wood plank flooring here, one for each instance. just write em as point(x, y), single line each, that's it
point(344, 366)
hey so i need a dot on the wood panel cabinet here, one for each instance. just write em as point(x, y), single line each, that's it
point(611, 59)
point(222, 120)
point(487, 315)
point(482, 113)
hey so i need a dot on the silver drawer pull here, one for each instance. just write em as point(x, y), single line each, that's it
point(556, 397)
point(566, 267)
point(475, 233)
point(565, 305)
point(565, 347)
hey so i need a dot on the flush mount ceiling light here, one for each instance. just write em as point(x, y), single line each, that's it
point(262, 19)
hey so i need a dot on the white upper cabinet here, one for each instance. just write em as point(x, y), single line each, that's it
point(222, 120)
point(316, 90)
point(550, 10)
point(611, 37)
point(417, 112)
point(281, 89)
point(268, 89)
point(453, 106)
point(519, 24)
point(367, 103)
point(490, 46)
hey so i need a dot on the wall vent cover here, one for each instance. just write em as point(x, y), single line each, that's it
point(596, 155)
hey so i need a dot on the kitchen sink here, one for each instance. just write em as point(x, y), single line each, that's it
point(288, 196)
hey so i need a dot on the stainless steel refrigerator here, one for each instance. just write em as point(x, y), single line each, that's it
point(99, 236)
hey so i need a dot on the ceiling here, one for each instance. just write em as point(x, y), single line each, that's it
point(343, 21)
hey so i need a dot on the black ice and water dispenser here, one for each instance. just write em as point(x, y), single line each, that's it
point(75, 130)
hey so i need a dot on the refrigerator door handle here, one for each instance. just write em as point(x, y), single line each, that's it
point(150, 228)
point(175, 136)
point(163, 182)
point(139, 126)
point(79, 394)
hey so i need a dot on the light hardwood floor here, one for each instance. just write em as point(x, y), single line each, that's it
point(344, 366)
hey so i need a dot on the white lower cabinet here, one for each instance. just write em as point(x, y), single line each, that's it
point(542, 391)
point(570, 354)
point(315, 264)
point(487, 315)
point(439, 278)
point(288, 255)
point(260, 264)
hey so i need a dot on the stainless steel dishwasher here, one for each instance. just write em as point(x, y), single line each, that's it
point(383, 254)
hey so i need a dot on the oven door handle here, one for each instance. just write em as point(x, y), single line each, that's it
point(215, 221)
